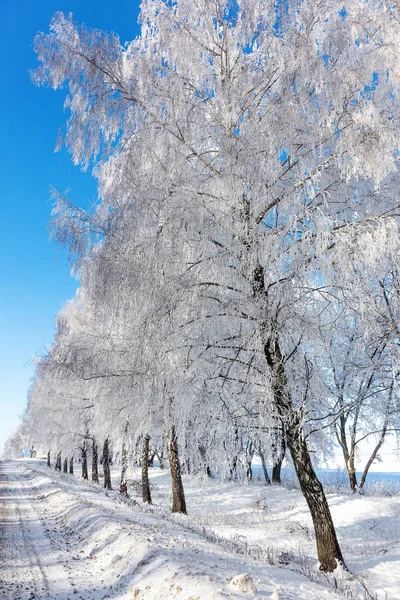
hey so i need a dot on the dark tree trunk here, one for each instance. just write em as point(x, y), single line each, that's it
point(57, 466)
point(106, 465)
point(84, 461)
point(348, 455)
point(329, 553)
point(203, 454)
point(145, 470)
point(71, 465)
point(249, 459)
point(279, 455)
point(151, 458)
point(65, 469)
point(234, 461)
point(276, 472)
point(48, 459)
point(95, 462)
point(233, 468)
point(160, 456)
point(178, 495)
point(249, 471)
point(264, 466)
point(373, 455)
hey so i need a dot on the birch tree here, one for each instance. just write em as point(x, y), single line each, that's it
point(258, 139)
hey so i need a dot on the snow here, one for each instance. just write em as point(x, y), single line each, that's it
point(75, 540)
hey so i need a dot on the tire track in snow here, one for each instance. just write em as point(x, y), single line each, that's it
point(22, 575)
point(31, 547)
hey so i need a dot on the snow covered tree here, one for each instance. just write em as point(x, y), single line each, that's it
point(252, 141)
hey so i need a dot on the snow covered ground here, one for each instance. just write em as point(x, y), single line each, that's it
point(63, 538)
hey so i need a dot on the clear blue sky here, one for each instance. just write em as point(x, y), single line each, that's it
point(35, 279)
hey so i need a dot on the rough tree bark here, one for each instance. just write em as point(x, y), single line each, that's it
point(278, 453)
point(146, 495)
point(48, 459)
point(178, 495)
point(106, 465)
point(95, 461)
point(264, 465)
point(328, 549)
point(84, 460)
point(71, 465)
point(57, 465)
point(249, 454)
point(65, 468)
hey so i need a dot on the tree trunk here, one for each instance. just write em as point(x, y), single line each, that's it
point(84, 461)
point(57, 466)
point(276, 472)
point(249, 453)
point(234, 461)
point(95, 462)
point(145, 470)
point(71, 465)
point(205, 466)
point(48, 459)
point(348, 455)
point(106, 465)
point(373, 456)
point(352, 473)
point(178, 495)
point(65, 469)
point(124, 463)
point(160, 456)
point(278, 453)
point(329, 553)
point(151, 458)
point(264, 466)
point(233, 468)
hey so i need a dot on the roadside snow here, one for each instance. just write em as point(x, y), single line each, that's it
point(73, 540)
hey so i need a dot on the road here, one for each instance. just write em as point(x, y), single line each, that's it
point(33, 548)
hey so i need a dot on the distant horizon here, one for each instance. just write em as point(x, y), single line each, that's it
point(389, 463)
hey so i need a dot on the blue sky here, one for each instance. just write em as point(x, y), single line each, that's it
point(35, 279)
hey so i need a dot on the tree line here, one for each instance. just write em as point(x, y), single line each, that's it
point(239, 289)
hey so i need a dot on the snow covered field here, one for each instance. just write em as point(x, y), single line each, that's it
point(63, 538)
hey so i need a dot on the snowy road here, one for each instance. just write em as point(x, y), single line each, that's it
point(20, 528)
point(33, 551)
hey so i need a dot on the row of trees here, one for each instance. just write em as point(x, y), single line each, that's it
point(239, 275)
